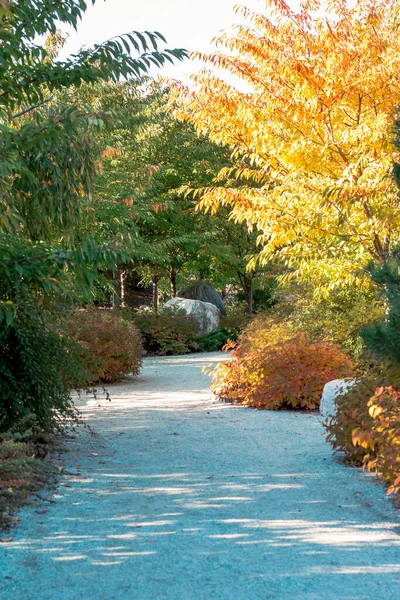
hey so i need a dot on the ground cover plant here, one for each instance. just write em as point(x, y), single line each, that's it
point(274, 367)
point(172, 331)
point(22, 469)
point(230, 328)
point(217, 340)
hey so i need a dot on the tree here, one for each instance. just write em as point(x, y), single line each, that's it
point(240, 246)
point(48, 155)
point(313, 131)
point(149, 161)
point(47, 147)
point(148, 157)
point(47, 150)
point(225, 259)
point(382, 338)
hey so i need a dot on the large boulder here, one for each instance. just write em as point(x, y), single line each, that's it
point(206, 314)
point(332, 390)
point(205, 292)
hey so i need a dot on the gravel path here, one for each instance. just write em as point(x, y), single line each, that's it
point(181, 498)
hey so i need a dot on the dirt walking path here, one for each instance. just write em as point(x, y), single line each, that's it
point(182, 498)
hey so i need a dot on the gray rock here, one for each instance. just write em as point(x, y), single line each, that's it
point(205, 292)
point(206, 314)
point(332, 390)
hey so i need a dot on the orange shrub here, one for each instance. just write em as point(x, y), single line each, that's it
point(274, 368)
point(367, 428)
point(113, 342)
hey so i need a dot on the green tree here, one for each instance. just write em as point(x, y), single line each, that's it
point(148, 157)
point(48, 158)
point(383, 338)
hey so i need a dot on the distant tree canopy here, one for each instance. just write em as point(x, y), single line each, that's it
point(149, 161)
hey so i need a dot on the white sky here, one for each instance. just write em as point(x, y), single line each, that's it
point(186, 24)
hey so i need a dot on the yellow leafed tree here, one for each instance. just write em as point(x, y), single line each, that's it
point(313, 129)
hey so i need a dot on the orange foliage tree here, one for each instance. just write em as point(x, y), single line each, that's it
point(312, 123)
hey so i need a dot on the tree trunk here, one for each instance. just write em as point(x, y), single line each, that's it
point(172, 278)
point(248, 290)
point(155, 280)
point(114, 297)
point(122, 277)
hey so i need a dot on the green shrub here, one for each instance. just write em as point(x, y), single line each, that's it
point(170, 332)
point(38, 367)
point(264, 298)
point(274, 367)
point(111, 340)
point(215, 341)
point(231, 327)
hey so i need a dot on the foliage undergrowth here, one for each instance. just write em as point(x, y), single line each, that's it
point(113, 343)
point(338, 316)
point(169, 332)
point(22, 470)
point(38, 367)
point(172, 331)
point(235, 321)
point(215, 341)
point(366, 427)
point(231, 327)
point(274, 367)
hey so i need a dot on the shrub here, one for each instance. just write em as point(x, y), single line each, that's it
point(170, 332)
point(215, 341)
point(113, 341)
point(339, 316)
point(366, 428)
point(274, 367)
point(383, 441)
point(38, 367)
point(228, 333)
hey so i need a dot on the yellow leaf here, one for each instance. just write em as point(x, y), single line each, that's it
point(375, 411)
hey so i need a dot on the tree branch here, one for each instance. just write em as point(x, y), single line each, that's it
point(30, 108)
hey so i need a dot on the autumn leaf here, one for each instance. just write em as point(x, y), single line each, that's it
point(375, 411)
